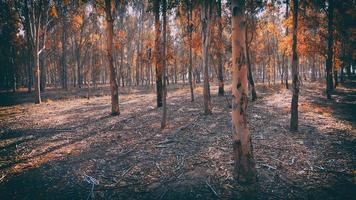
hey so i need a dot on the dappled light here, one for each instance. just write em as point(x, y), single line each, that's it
point(183, 99)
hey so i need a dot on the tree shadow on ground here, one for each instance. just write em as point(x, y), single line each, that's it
point(132, 159)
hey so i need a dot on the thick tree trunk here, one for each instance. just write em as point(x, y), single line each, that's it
point(244, 169)
point(164, 71)
point(221, 91)
point(158, 54)
point(329, 60)
point(115, 109)
point(295, 73)
point(205, 13)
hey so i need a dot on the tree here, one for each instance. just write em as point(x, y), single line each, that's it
point(35, 14)
point(244, 168)
point(164, 73)
point(205, 40)
point(295, 71)
point(220, 65)
point(115, 109)
point(190, 29)
point(157, 52)
point(329, 59)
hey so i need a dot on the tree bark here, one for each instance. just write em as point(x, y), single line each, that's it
point(221, 91)
point(250, 76)
point(205, 17)
point(329, 60)
point(158, 54)
point(115, 109)
point(190, 69)
point(295, 71)
point(64, 54)
point(286, 71)
point(164, 88)
point(244, 168)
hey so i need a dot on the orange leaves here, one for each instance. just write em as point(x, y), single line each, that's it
point(77, 21)
point(53, 11)
point(307, 107)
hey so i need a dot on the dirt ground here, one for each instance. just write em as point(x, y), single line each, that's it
point(69, 147)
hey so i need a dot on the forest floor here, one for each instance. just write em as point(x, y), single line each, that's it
point(65, 146)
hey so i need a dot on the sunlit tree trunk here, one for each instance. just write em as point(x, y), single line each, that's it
point(220, 64)
point(244, 169)
point(295, 71)
point(164, 70)
point(115, 110)
point(329, 60)
point(205, 13)
point(157, 53)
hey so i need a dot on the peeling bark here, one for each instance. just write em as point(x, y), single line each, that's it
point(244, 168)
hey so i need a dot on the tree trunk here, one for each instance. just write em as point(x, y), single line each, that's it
point(115, 109)
point(295, 73)
point(64, 55)
point(221, 91)
point(250, 76)
point(158, 54)
point(36, 65)
point(286, 71)
point(43, 72)
point(190, 69)
point(244, 169)
point(205, 15)
point(164, 88)
point(329, 64)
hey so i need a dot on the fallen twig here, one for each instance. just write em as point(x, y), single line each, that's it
point(211, 188)
point(269, 166)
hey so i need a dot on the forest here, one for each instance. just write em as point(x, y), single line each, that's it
point(177, 99)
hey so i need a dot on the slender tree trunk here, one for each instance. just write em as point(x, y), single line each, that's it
point(158, 54)
point(205, 13)
point(295, 73)
point(64, 55)
point(115, 109)
point(221, 91)
point(244, 169)
point(43, 72)
point(286, 70)
point(37, 66)
point(329, 64)
point(190, 69)
point(250, 76)
point(164, 71)
point(29, 69)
